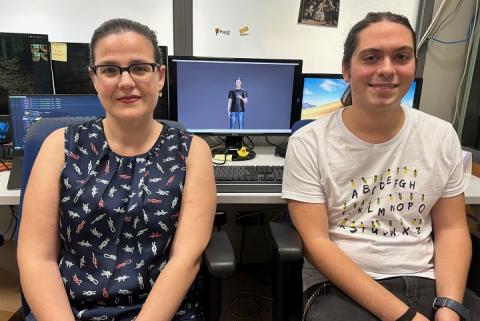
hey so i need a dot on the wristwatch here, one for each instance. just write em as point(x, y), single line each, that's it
point(459, 308)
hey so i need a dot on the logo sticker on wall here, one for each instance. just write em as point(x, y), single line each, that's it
point(244, 31)
point(222, 32)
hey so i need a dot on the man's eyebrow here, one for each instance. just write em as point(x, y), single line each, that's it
point(375, 50)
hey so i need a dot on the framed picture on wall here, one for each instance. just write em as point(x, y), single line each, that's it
point(319, 12)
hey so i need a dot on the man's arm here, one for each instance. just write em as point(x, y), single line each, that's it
point(310, 220)
point(229, 106)
point(453, 251)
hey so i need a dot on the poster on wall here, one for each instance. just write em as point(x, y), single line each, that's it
point(319, 12)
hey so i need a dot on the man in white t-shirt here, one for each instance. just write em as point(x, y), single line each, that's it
point(367, 185)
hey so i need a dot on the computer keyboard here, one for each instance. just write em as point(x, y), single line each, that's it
point(248, 179)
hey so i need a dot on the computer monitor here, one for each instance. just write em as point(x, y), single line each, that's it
point(26, 109)
point(322, 94)
point(24, 66)
point(70, 74)
point(200, 89)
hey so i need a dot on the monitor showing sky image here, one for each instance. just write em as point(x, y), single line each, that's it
point(322, 94)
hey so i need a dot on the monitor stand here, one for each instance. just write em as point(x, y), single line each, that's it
point(231, 147)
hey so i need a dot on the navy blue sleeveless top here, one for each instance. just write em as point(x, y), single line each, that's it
point(118, 217)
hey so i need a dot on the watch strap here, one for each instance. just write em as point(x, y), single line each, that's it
point(408, 315)
point(459, 308)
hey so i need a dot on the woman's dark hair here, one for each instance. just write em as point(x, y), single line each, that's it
point(119, 25)
point(352, 40)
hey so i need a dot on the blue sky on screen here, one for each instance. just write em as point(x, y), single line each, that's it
point(321, 91)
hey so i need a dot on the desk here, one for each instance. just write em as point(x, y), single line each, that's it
point(265, 156)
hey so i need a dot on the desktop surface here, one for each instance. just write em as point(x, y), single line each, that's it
point(265, 156)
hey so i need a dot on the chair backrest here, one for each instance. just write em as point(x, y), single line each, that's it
point(300, 123)
point(35, 136)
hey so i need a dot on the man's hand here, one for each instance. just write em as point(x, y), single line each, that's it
point(446, 314)
point(420, 317)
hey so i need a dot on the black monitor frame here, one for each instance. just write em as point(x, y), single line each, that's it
point(296, 91)
point(40, 88)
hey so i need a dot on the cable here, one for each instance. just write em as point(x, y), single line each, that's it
point(225, 152)
point(448, 42)
point(469, 48)
point(251, 142)
point(268, 141)
point(446, 18)
point(434, 20)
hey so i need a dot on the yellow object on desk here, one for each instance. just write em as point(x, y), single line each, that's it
point(243, 152)
point(221, 157)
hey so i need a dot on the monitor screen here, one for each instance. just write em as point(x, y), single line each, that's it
point(70, 71)
point(322, 94)
point(24, 66)
point(26, 109)
point(70, 74)
point(235, 96)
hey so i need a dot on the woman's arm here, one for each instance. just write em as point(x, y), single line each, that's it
point(38, 241)
point(191, 238)
point(310, 220)
point(453, 251)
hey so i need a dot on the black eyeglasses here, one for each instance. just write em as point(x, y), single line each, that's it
point(110, 74)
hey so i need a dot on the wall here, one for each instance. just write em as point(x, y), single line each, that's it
point(74, 21)
point(275, 33)
point(444, 63)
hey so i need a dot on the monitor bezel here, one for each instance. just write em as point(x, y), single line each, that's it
point(296, 104)
point(416, 96)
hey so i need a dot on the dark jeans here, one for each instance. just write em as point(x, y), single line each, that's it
point(327, 303)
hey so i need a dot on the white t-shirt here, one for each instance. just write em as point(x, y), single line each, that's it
point(378, 196)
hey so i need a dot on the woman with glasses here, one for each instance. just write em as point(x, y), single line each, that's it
point(118, 211)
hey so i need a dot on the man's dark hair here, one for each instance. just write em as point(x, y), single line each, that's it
point(352, 39)
point(119, 25)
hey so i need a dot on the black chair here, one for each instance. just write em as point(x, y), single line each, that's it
point(218, 258)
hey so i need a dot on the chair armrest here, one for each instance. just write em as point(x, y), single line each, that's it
point(286, 241)
point(219, 256)
point(474, 273)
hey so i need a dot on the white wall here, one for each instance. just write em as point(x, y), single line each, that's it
point(74, 21)
point(275, 33)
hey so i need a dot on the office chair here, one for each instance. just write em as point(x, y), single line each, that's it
point(287, 256)
point(218, 258)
